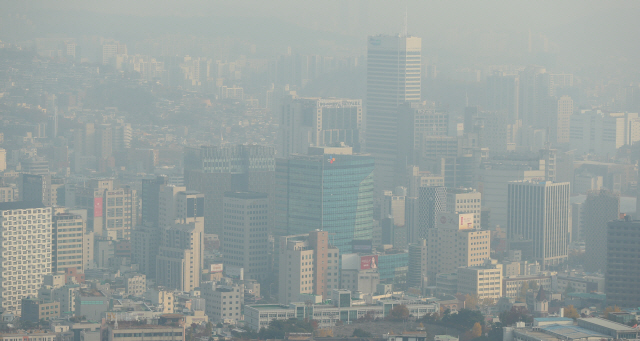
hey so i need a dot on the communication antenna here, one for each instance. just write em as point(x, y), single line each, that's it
point(405, 28)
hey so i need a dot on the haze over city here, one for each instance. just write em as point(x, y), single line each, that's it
point(319, 170)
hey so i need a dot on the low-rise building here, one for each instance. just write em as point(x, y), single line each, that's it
point(31, 335)
point(91, 304)
point(224, 302)
point(580, 282)
point(483, 282)
point(327, 315)
point(512, 286)
point(612, 329)
point(136, 284)
point(145, 332)
point(35, 310)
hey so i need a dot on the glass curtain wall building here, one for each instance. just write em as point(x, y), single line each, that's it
point(333, 193)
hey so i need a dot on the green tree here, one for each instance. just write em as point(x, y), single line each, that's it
point(569, 289)
point(361, 333)
point(514, 315)
point(471, 302)
point(533, 285)
point(523, 291)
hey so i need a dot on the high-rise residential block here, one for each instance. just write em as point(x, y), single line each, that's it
point(309, 122)
point(540, 211)
point(26, 251)
point(393, 78)
point(599, 208)
point(331, 190)
point(559, 131)
point(245, 231)
point(228, 168)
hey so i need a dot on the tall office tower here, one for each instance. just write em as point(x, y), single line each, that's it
point(498, 134)
point(502, 93)
point(306, 263)
point(577, 224)
point(104, 146)
point(68, 236)
point(228, 168)
point(540, 211)
point(393, 204)
point(111, 49)
point(600, 208)
point(121, 135)
point(329, 190)
point(533, 96)
point(393, 78)
point(417, 178)
point(26, 251)
point(455, 243)
point(35, 166)
point(431, 201)
point(622, 254)
point(418, 264)
point(111, 212)
point(36, 188)
point(244, 240)
point(548, 161)
point(84, 148)
point(146, 238)
point(306, 122)
point(3, 159)
point(465, 200)
point(150, 200)
point(180, 255)
point(559, 120)
point(493, 181)
point(435, 149)
point(416, 121)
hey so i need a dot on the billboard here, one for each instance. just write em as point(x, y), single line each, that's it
point(216, 267)
point(368, 262)
point(97, 207)
point(362, 246)
point(458, 221)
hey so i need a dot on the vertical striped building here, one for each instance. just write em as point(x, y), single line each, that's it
point(540, 212)
point(393, 78)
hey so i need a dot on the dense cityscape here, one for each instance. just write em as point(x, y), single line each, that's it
point(160, 182)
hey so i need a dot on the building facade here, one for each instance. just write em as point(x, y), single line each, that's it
point(600, 208)
point(622, 269)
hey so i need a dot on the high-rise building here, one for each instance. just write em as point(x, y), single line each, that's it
point(309, 122)
point(245, 231)
point(7, 194)
point(431, 201)
point(418, 264)
point(181, 251)
point(68, 236)
point(417, 121)
point(559, 121)
point(306, 263)
point(330, 190)
point(540, 211)
point(393, 78)
point(622, 267)
point(455, 243)
point(502, 95)
point(465, 200)
point(228, 168)
point(600, 208)
point(26, 251)
point(493, 180)
point(111, 212)
point(150, 200)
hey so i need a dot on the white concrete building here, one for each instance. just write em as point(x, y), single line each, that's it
point(26, 251)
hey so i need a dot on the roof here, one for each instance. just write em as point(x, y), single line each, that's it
point(572, 332)
point(268, 307)
point(608, 324)
point(552, 319)
point(588, 295)
point(20, 205)
point(245, 195)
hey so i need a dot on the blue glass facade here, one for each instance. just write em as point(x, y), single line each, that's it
point(329, 192)
point(391, 266)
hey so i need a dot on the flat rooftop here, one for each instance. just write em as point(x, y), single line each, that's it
point(20, 205)
point(572, 332)
point(269, 307)
point(552, 319)
point(608, 324)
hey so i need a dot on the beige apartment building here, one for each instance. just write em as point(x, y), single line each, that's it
point(465, 200)
point(68, 238)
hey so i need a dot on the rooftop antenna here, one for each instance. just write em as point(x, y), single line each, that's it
point(405, 29)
